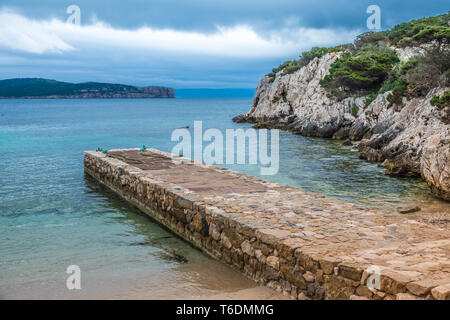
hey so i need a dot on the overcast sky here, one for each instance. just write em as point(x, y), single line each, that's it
point(182, 44)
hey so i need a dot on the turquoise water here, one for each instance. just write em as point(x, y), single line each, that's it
point(52, 215)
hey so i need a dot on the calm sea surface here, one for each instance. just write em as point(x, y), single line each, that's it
point(52, 215)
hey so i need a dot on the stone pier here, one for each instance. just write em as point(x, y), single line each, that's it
point(295, 241)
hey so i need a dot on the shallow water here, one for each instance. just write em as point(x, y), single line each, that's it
point(53, 216)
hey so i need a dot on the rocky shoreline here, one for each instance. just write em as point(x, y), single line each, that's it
point(410, 139)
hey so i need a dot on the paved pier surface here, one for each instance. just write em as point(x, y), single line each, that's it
point(296, 241)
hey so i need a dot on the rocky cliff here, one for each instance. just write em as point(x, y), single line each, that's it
point(410, 138)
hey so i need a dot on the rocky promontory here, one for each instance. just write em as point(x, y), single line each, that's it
point(37, 88)
point(401, 118)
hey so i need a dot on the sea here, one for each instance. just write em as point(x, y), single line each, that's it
point(52, 215)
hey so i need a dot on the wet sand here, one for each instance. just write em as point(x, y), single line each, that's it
point(208, 279)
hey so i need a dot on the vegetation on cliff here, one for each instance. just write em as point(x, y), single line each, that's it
point(417, 32)
point(290, 66)
point(370, 66)
point(441, 101)
point(361, 71)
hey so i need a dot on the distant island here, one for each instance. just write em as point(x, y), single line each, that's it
point(38, 88)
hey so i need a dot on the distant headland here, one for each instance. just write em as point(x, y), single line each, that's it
point(38, 88)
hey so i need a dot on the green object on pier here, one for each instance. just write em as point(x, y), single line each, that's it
point(102, 150)
point(143, 148)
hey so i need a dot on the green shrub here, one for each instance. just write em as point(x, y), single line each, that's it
point(291, 66)
point(435, 101)
point(369, 38)
point(370, 98)
point(284, 65)
point(271, 76)
point(429, 71)
point(420, 31)
point(355, 110)
point(291, 69)
point(397, 94)
point(363, 71)
point(441, 102)
point(431, 33)
point(310, 55)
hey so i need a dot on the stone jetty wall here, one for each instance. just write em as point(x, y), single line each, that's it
point(258, 245)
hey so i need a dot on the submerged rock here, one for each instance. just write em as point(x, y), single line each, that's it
point(240, 118)
point(347, 143)
point(171, 255)
point(408, 210)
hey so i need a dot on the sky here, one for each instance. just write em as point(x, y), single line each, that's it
point(179, 43)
